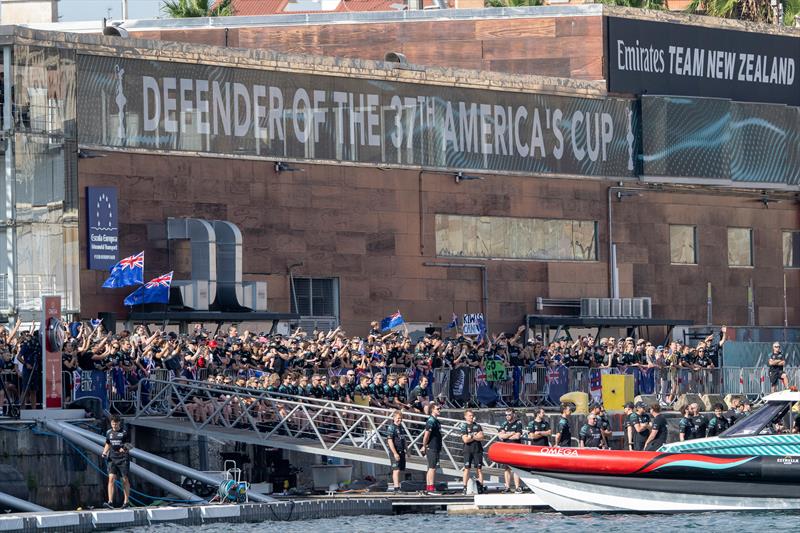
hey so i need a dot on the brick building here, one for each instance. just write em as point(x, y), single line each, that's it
point(352, 207)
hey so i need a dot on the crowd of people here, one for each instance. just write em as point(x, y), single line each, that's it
point(332, 364)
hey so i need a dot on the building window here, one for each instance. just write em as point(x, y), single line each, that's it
point(683, 245)
point(516, 238)
point(315, 297)
point(740, 247)
point(791, 249)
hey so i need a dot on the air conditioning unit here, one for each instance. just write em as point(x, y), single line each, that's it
point(616, 307)
point(194, 293)
point(254, 295)
point(590, 307)
point(605, 307)
point(627, 307)
point(637, 308)
point(647, 307)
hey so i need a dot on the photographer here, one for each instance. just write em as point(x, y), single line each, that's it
point(30, 354)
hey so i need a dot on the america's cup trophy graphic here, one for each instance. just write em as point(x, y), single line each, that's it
point(630, 138)
point(121, 101)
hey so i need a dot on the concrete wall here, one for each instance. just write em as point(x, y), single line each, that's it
point(565, 47)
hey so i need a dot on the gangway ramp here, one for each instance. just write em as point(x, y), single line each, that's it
point(307, 425)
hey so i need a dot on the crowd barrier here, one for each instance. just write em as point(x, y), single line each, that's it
point(524, 386)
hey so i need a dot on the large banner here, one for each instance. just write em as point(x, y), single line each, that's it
point(661, 58)
point(90, 384)
point(715, 138)
point(222, 110)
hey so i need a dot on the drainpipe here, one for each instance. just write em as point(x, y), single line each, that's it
point(209, 479)
point(484, 284)
point(63, 430)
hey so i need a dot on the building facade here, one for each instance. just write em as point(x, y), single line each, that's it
point(362, 187)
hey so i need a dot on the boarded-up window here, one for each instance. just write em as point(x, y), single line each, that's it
point(683, 245)
point(791, 249)
point(740, 247)
point(516, 238)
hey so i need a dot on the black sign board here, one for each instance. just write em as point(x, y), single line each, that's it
point(661, 58)
point(102, 227)
point(190, 107)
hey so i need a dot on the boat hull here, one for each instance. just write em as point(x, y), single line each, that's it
point(570, 493)
point(574, 480)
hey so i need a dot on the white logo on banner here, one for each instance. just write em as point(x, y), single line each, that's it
point(121, 101)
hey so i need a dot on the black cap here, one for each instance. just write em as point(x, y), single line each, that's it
point(629, 405)
point(641, 404)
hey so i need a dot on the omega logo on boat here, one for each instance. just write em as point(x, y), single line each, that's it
point(559, 451)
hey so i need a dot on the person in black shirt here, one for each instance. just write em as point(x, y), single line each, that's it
point(777, 368)
point(432, 447)
point(563, 430)
point(396, 441)
point(539, 429)
point(641, 426)
point(686, 425)
point(472, 437)
point(590, 435)
point(718, 422)
point(511, 431)
point(116, 451)
point(699, 422)
point(418, 397)
point(658, 431)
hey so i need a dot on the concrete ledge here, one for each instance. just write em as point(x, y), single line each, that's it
point(58, 520)
point(527, 499)
point(11, 523)
point(167, 513)
point(220, 511)
point(122, 516)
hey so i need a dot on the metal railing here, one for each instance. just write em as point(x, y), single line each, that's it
point(331, 428)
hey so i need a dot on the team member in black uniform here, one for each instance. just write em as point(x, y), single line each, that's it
point(396, 440)
point(777, 368)
point(603, 423)
point(511, 431)
point(686, 425)
point(432, 447)
point(627, 424)
point(563, 430)
point(718, 422)
point(699, 422)
point(539, 429)
point(641, 427)
point(590, 435)
point(116, 452)
point(658, 429)
point(472, 436)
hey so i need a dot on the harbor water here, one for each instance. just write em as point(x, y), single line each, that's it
point(443, 523)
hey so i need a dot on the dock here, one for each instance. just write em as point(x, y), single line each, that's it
point(296, 508)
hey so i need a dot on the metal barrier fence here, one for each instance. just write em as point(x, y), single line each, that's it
point(458, 388)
